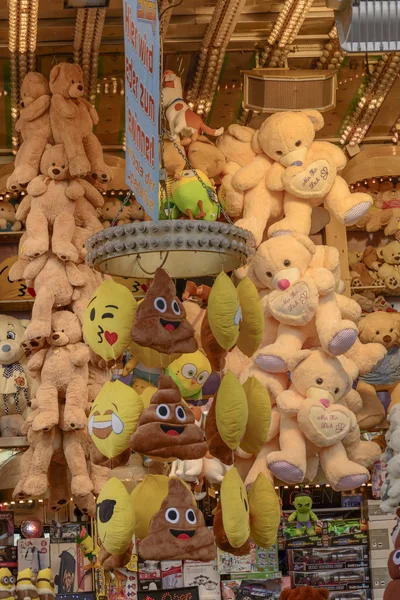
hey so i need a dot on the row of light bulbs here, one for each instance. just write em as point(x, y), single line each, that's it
point(89, 27)
point(332, 55)
point(372, 95)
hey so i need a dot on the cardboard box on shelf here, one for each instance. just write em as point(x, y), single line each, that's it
point(329, 534)
point(251, 589)
point(124, 585)
point(149, 576)
point(171, 574)
point(380, 538)
point(72, 571)
point(315, 559)
point(379, 574)
point(371, 511)
point(8, 556)
point(354, 595)
point(33, 553)
point(205, 576)
point(64, 532)
point(343, 580)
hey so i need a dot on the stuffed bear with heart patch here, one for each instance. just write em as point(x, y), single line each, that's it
point(306, 170)
point(300, 297)
point(318, 425)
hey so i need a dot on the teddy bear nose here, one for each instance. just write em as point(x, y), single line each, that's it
point(6, 348)
point(80, 87)
point(387, 338)
point(325, 402)
point(283, 284)
point(55, 336)
point(56, 171)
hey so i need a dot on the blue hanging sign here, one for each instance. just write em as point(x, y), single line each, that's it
point(142, 99)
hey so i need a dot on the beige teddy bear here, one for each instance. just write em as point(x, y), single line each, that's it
point(318, 425)
point(110, 210)
point(34, 127)
point(202, 154)
point(14, 395)
point(389, 268)
point(307, 171)
point(301, 297)
point(8, 217)
point(243, 192)
point(63, 370)
point(72, 119)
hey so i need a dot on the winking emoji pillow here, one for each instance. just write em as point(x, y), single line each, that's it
point(177, 531)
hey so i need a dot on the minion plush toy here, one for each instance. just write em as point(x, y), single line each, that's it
point(195, 199)
point(26, 588)
point(45, 584)
point(7, 585)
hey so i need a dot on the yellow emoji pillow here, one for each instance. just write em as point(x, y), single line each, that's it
point(265, 512)
point(259, 411)
point(235, 509)
point(251, 327)
point(114, 417)
point(146, 500)
point(231, 411)
point(224, 313)
point(115, 517)
point(108, 320)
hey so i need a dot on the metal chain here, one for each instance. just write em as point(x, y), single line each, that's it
point(125, 202)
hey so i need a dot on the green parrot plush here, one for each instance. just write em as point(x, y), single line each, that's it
point(303, 515)
point(192, 198)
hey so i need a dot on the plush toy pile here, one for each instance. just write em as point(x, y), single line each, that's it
point(59, 161)
point(376, 267)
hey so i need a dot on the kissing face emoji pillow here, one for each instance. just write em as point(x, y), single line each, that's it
point(161, 322)
point(166, 428)
point(177, 531)
point(113, 418)
point(108, 320)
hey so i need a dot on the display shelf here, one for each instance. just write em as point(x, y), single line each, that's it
point(16, 305)
point(13, 442)
point(10, 237)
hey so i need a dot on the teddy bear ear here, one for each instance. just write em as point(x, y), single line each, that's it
point(361, 325)
point(305, 240)
point(24, 322)
point(255, 143)
point(54, 74)
point(241, 133)
point(379, 253)
point(298, 358)
point(315, 117)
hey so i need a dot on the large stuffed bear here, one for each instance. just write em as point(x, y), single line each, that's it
point(302, 299)
point(72, 119)
point(387, 265)
point(243, 191)
point(318, 409)
point(64, 375)
point(34, 127)
point(305, 593)
point(13, 381)
point(307, 171)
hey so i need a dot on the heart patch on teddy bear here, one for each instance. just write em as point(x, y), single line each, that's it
point(324, 426)
point(313, 181)
point(297, 304)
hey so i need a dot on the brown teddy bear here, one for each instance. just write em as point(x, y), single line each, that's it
point(63, 369)
point(388, 269)
point(111, 209)
point(305, 593)
point(53, 281)
point(8, 217)
point(204, 155)
point(34, 127)
point(307, 171)
point(72, 119)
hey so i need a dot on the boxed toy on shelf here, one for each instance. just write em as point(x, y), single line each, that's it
point(252, 588)
point(33, 553)
point(8, 556)
point(205, 576)
point(328, 533)
point(315, 559)
point(72, 571)
point(344, 580)
point(259, 560)
point(149, 576)
point(353, 595)
point(171, 574)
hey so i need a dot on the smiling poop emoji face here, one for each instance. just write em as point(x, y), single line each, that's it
point(161, 322)
point(177, 531)
point(166, 429)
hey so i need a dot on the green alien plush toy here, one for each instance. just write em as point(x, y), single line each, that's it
point(303, 514)
point(192, 193)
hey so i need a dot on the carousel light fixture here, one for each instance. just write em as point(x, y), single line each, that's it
point(332, 55)
point(89, 25)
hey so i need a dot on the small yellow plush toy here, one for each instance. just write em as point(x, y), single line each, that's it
point(45, 584)
point(108, 320)
point(307, 171)
point(7, 584)
point(190, 372)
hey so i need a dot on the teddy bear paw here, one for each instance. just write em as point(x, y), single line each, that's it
point(74, 420)
point(45, 421)
point(342, 341)
point(355, 213)
point(57, 505)
point(286, 471)
point(25, 174)
point(34, 248)
point(66, 252)
point(351, 482)
point(102, 174)
point(392, 283)
point(36, 486)
point(270, 363)
point(81, 485)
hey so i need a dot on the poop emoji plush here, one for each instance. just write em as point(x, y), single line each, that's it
point(392, 591)
point(7, 584)
point(305, 593)
point(108, 319)
point(177, 531)
point(166, 428)
point(160, 322)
